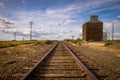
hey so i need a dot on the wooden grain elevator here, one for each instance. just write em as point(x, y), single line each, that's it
point(93, 29)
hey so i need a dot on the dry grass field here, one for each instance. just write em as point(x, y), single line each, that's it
point(4, 44)
point(15, 57)
point(105, 58)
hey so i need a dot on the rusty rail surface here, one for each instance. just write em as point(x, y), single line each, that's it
point(29, 72)
point(91, 76)
point(88, 76)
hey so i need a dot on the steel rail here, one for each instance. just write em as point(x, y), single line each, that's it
point(36, 66)
point(90, 75)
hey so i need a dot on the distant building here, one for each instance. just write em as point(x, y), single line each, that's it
point(93, 29)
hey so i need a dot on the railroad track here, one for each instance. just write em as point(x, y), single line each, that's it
point(59, 64)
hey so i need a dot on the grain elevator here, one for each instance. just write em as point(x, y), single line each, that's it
point(93, 29)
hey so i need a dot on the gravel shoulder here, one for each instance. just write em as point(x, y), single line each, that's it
point(105, 59)
point(14, 58)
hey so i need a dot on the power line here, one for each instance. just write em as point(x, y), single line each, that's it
point(107, 31)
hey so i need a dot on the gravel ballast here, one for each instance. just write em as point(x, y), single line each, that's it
point(105, 60)
point(14, 58)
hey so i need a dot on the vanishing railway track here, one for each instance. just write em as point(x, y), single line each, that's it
point(59, 64)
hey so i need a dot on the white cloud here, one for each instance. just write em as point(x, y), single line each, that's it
point(55, 23)
point(2, 5)
point(107, 24)
point(117, 35)
point(118, 16)
point(45, 19)
point(23, 2)
point(4, 23)
point(56, 14)
point(51, 25)
point(58, 24)
point(67, 22)
point(1, 24)
point(86, 4)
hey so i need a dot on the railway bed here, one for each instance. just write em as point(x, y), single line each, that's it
point(58, 64)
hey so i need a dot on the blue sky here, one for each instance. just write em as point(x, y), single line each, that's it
point(55, 19)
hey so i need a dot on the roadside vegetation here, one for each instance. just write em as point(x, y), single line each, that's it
point(91, 40)
point(4, 44)
point(107, 43)
point(75, 41)
point(110, 42)
point(49, 41)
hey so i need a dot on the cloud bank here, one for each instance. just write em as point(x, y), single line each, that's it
point(58, 22)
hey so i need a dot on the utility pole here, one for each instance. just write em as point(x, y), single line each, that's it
point(72, 37)
point(112, 32)
point(15, 36)
point(31, 23)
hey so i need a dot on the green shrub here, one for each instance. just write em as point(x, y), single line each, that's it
point(108, 43)
point(3, 45)
point(48, 41)
point(39, 42)
point(13, 44)
point(27, 42)
point(75, 41)
point(91, 40)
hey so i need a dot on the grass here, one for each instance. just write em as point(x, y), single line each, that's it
point(91, 40)
point(4, 44)
point(110, 42)
point(107, 43)
point(75, 41)
point(49, 41)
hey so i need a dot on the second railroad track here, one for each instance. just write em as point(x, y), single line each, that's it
point(59, 64)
